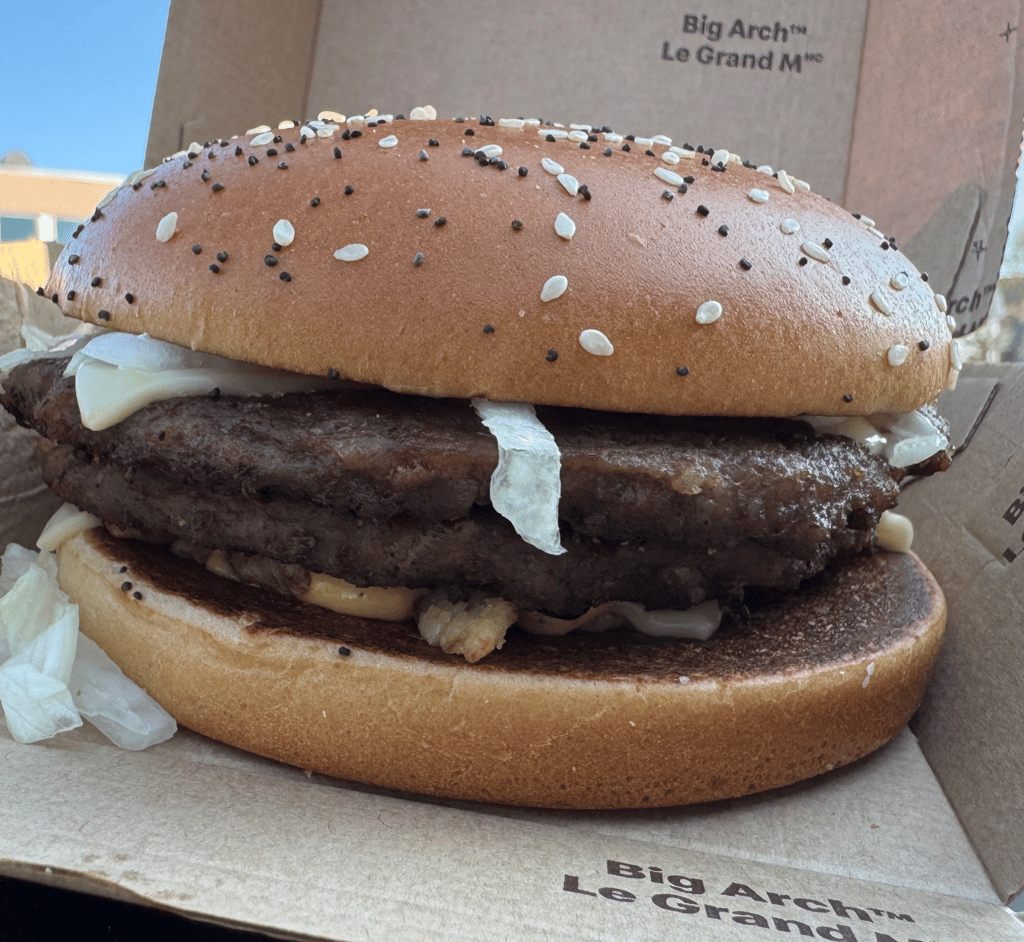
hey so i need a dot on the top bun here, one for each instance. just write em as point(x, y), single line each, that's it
point(691, 283)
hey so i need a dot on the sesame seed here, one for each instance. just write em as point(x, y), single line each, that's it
point(349, 190)
point(682, 188)
point(289, 147)
point(73, 259)
point(126, 587)
point(166, 227)
point(433, 143)
point(802, 261)
point(215, 268)
point(551, 355)
point(71, 294)
point(423, 155)
point(897, 354)
point(441, 221)
point(205, 176)
point(626, 148)
point(595, 342)
point(827, 243)
point(923, 345)
point(222, 256)
point(468, 152)
point(564, 226)
point(260, 139)
point(552, 166)
point(269, 261)
point(130, 298)
point(815, 251)
point(723, 230)
point(253, 160)
point(103, 315)
point(746, 264)
point(667, 195)
point(523, 171)
point(271, 151)
point(337, 153)
point(517, 225)
point(758, 196)
point(488, 328)
point(389, 141)
point(845, 279)
point(96, 282)
point(668, 176)
point(607, 152)
point(554, 287)
point(885, 245)
point(283, 232)
point(940, 303)
point(422, 213)
point(709, 312)
point(585, 192)
point(217, 187)
point(314, 202)
point(785, 182)
point(137, 595)
point(899, 281)
point(956, 355)
point(880, 302)
point(702, 210)
point(417, 259)
point(352, 252)
point(682, 371)
point(469, 132)
point(285, 276)
point(344, 651)
point(847, 397)
point(238, 150)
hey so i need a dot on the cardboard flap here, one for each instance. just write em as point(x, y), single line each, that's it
point(197, 827)
point(908, 112)
point(230, 66)
point(925, 92)
point(969, 525)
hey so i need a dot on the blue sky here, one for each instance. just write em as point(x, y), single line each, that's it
point(77, 81)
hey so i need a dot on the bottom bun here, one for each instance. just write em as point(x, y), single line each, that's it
point(615, 720)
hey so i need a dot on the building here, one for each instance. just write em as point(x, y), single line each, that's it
point(45, 205)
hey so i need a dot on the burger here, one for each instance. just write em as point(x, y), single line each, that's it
point(498, 459)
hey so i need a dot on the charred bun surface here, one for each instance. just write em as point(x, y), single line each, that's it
point(565, 267)
point(614, 721)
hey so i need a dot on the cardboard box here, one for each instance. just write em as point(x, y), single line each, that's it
point(911, 112)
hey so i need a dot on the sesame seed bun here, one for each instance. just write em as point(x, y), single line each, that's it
point(607, 721)
point(694, 285)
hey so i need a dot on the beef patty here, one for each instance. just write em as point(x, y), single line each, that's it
point(388, 489)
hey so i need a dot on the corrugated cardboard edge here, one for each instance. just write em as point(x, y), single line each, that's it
point(227, 82)
point(970, 723)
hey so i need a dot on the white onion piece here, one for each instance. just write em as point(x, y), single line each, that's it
point(525, 486)
point(66, 522)
point(905, 440)
point(118, 374)
point(40, 631)
point(697, 623)
point(43, 657)
point(115, 705)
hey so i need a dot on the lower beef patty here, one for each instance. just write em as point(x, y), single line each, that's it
point(386, 489)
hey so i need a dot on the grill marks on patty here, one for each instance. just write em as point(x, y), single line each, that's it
point(386, 489)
